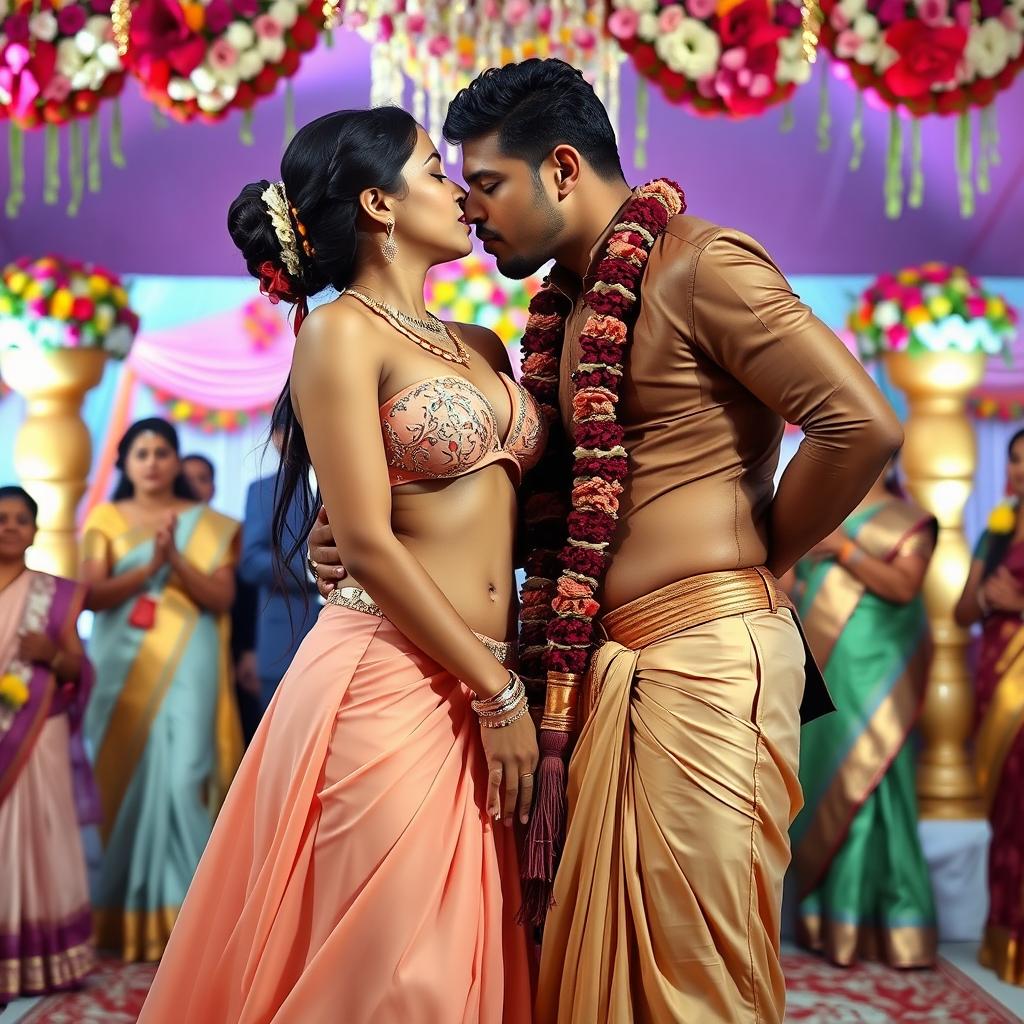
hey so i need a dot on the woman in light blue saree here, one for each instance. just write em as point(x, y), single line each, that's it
point(162, 723)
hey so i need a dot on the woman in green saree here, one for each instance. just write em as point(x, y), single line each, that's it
point(162, 722)
point(864, 885)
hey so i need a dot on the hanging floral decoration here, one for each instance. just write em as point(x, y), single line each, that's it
point(58, 63)
point(931, 308)
point(53, 304)
point(201, 61)
point(206, 418)
point(734, 58)
point(914, 58)
point(440, 47)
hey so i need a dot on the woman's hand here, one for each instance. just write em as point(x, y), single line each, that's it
point(1002, 592)
point(164, 548)
point(830, 546)
point(323, 552)
point(37, 649)
point(512, 757)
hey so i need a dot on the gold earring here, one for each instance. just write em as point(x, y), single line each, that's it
point(390, 246)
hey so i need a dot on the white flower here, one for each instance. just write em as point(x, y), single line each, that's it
point(69, 57)
point(853, 8)
point(5, 8)
point(211, 102)
point(988, 47)
point(91, 75)
point(203, 80)
point(181, 90)
point(866, 26)
point(640, 6)
point(792, 65)
point(43, 26)
point(867, 52)
point(240, 35)
point(648, 27)
point(272, 50)
point(86, 42)
point(887, 314)
point(225, 76)
point(887, 56)
point(249, 65)
point(284, 12)
point(100, 27)
point(108, 56)
point(692, 49)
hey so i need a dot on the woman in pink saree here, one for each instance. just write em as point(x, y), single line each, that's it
point(45, 917)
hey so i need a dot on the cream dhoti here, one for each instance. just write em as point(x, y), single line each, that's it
point(353, 873)
point(682, 788)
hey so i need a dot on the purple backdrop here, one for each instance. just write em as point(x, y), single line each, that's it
point(165, 212)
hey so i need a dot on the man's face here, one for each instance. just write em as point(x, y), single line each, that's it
point(509, 205)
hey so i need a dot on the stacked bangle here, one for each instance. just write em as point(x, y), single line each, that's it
point(505, 707)
point(847, 552)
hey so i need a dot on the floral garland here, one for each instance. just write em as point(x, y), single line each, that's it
point(732, 57)
point(559, 596)
point(58, 62)
point(922, 57)
point(53, 304)
point(931, 308)
point(201, 61)
point(207, 419)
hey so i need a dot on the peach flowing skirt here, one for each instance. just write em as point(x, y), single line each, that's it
point(353, 873)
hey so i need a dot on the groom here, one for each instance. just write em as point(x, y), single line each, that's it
point(670, 352)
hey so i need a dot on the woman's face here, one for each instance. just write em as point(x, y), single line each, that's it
point(428, 219)
point(152, 465)
point(1015, 468)
point(17, 530)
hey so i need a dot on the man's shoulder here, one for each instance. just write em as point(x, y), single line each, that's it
point(697, 233)
point(262, 487)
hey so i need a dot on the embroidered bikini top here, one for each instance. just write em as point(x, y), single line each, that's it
point(444, 427)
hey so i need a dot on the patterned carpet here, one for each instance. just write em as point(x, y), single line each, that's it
point(818, 994)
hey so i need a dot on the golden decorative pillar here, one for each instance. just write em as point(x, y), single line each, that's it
point(53, 451)
point(938, 461)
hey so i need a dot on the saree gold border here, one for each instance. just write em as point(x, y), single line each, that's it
point(837, 598)
point(844, 943)
point(865, 764)
point(140, 936)
point(1001, 952)
point(155, 666)
point(34, 975)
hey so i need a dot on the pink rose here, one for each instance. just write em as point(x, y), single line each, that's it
point(838, 19)
point(910, 297)
point(963, 14)
point(584, 38)
point(267, 27)
point(516, 12)
point(438, 46)
point(734, 58)
point(357, 19)
point(976, 305)
point(545, 17)
point(245, 8)
point(898, 336)
point(70, 20)
point(933, 12)
point(701, 9)
point(416, 23)
point(847, 43)
point(670, 18)
point(58, 88)
point(223, 55)
point(624, 23)
point(706, 87)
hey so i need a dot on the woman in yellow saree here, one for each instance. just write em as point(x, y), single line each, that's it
point(994, 595)
point(161, 722)
point(864, 885)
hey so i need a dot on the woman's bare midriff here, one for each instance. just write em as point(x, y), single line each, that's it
point(462, 532)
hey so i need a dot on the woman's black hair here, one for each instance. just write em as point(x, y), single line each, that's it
point(327, 166)
point(999, 543)
point(19, 493)
point(154, 425)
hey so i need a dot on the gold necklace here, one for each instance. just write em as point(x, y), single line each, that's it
point(459, 356)
point(432, 326)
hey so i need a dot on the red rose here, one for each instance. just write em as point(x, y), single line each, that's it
point(85, 101)
point(644, 57)
point(265, 82)
point(304, 34)
point(245, 97)
point(82, 309)
point(289, 63)
point(927, 57)
point(159, 31)
point(738, 26)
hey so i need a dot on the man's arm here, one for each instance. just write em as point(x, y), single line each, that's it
point(746, 317)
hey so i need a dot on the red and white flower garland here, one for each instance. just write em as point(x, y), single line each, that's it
point(559, 597)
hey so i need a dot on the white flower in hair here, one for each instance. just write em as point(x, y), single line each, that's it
point(276, 202)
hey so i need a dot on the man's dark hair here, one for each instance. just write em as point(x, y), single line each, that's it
point(535, 106)
point(196, 457)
